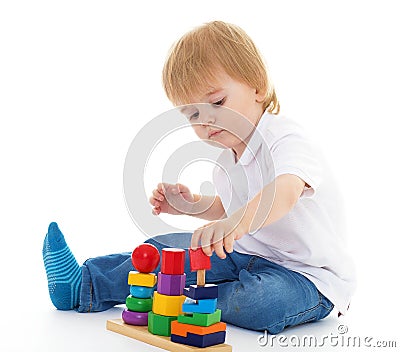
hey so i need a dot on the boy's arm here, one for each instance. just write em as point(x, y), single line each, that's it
point(272, 203)
point(208, 208)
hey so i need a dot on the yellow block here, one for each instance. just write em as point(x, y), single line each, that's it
point(141, 279)
point(167, 305)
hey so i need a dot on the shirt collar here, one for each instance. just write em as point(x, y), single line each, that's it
point(255, 142)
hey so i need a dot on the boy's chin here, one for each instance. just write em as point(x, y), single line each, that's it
point(215, 144)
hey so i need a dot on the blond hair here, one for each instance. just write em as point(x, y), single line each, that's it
point(194, 59)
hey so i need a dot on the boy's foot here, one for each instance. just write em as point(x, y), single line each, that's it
point(62, 269)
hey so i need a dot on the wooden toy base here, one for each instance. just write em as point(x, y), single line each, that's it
point(141, 333)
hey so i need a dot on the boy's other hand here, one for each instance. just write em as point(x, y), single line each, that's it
point(175, 199)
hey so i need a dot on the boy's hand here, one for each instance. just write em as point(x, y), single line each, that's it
point(171, 199)
point(219, 235)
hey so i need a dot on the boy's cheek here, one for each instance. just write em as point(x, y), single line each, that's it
point(198, 130)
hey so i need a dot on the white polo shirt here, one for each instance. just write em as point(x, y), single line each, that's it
point(310, 238)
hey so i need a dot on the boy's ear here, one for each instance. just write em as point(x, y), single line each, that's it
point(260, 96)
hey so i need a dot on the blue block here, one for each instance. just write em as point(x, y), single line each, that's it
point(141, 291)
point(209, 291)
point(206, 306)
point(200, 340)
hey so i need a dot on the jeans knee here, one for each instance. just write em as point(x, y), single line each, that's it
point(261, 303)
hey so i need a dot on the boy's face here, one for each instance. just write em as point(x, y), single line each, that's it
point(231, 126)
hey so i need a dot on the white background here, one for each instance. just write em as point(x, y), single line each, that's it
point(78, 79)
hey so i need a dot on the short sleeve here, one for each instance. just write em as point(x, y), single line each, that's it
point(293, 153)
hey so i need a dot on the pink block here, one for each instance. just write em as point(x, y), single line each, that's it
point(171, 285)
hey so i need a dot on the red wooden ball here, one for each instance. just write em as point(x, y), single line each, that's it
point(145, 258)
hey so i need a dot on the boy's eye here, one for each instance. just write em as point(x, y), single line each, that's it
point(219, 102)
point(194, 116)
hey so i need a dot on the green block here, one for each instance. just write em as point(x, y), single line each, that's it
point(160, 324)
point(139, 304)
point(201, 319)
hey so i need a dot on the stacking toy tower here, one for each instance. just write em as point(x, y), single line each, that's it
point(180, 319)
point(145, 259)
point(201, 324)
point(168, 299)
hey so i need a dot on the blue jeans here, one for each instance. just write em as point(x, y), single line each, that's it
point(254, 293)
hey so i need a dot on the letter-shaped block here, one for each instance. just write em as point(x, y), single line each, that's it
point(205, 306)
point(201, 319)
point(173, 261)
point(181, 329)
point(160, 324)
point(138, 304)
point(200, 340)
point(141, 291)
point(171, 285)
point(140, 279)
point(134, 318)
point(198, 260)
point(167, 305)
point(209, 291)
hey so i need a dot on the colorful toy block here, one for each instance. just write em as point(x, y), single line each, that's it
point(182, 329)
point(200, 340)
point(200, 319)
point(141, 333)
point(160, 324)
point(167, 305)
point(138, 304)
point(171, 285)
point(205, 306)
point(173, 261)
point(134, 318)
point(141, 291)
point(145, 257)
point(196, 292)
point(199, 260)
point(142, 279)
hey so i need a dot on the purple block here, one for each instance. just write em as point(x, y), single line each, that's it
point(134, 318)
point(171, 285)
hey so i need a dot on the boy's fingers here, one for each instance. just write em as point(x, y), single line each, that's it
point(219, 249)
point(153, 201)
point(194, 244)
point(228, 243)
point(206, 241)
point(157, 195)
point(161, 187)
point(207, 250)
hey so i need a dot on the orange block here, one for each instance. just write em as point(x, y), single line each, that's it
point(181, 329)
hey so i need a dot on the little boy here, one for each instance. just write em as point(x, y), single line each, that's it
point(278, 238)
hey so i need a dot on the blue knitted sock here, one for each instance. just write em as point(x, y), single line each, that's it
point(63, 272)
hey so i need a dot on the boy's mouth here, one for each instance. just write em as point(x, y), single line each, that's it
point(214, 133)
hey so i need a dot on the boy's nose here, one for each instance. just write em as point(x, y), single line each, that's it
point(210, 119)
point(207, 114)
